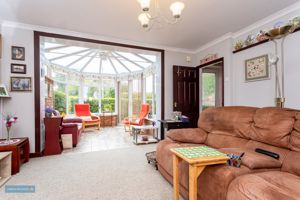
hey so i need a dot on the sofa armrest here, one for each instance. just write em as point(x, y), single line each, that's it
point(72, 120)
point(188, 135)
point(69, 125)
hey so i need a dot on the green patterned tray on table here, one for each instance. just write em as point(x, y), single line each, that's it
point(197, 152)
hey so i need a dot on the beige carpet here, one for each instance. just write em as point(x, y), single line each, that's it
point(121, 174)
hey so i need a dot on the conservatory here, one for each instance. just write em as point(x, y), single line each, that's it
point(109, 78)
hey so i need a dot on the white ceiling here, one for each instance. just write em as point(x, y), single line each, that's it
point(202, 20)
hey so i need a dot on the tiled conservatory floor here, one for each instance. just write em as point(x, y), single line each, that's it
point(105, 139)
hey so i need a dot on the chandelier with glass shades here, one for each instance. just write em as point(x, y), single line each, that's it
point(157, 18)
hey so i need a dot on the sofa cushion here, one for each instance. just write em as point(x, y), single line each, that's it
point(295, 136)
point(221, 141)
point(291, 163)
point(235, 120)
point(273, 126)
point(189, 135)
point(282, 152)
point(265, 186)
point(254, 160)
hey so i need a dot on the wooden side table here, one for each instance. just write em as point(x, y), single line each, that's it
point(196, 166)
point(171, 124)
point(20, 153)
point(5, 167)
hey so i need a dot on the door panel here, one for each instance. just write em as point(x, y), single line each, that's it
point(186, 92)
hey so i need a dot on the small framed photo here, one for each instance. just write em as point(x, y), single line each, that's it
point(18, 68)
point(3, 91)
point(17, 53)
point(257, 68)
point(20, 84)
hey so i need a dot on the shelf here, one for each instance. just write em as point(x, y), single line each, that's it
point(259, 43)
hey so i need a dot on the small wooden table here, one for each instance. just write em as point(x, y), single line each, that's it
point(20, 153)
point(196, 166)
point(171, 124)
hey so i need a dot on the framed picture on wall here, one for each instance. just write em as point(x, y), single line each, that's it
point(257, 68)
point(17, 53)
point(3, 91)
point(20, 84)
point(17, 68)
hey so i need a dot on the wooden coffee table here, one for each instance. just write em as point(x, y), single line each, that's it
point(20, 152)
point(197, 158)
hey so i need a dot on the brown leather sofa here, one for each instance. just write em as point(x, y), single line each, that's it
point(237, 130)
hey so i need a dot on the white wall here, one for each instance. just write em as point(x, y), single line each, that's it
point(223, 50)
point(173, 58)
point(20, 104)
point(258, 93)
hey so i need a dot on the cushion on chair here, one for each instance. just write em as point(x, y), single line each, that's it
point(82, 110)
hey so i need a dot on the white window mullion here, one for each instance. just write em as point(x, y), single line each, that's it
point(116, 96)
point(100, 95)
point(81, 90)
point(143, 89)
point(130, 88)
point(67, 95)
point(153, 93)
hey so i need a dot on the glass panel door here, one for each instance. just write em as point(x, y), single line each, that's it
point(208, 90)
point(123, 99)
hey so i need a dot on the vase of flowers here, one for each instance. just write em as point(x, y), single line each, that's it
point(48, 112)
point(9, 120)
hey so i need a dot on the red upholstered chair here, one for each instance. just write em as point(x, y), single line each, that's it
point(137, 120)
point(83, 111)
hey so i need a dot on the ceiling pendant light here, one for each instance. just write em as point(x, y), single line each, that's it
point(147, 21)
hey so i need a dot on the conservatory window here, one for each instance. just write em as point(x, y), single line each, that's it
point(91, 96)
point(73, 97)
point(124, 97)
point(60, 97)
point(150, 93)
point(108, 95)
point(136, 96)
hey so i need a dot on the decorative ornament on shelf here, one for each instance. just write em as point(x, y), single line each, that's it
point(208, 58)
point(261, 36)
point(250, 40)
point(148, 21)
point(238, 45)
point(9, 120)
point(295, 22)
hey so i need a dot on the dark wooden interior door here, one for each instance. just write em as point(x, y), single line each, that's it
point(186, 92)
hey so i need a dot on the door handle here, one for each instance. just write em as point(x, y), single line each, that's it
point(175, 104)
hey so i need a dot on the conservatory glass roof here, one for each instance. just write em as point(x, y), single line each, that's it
point(96, 59)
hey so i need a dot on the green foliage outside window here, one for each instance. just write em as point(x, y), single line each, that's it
point(60, 101)
point(94, 104)
point(108, 104)
point(209, 84)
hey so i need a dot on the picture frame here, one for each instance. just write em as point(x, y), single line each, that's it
point(17, 68)
point(257, 68)
point(20, 84)
point(3, 91)
point(17, 53)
